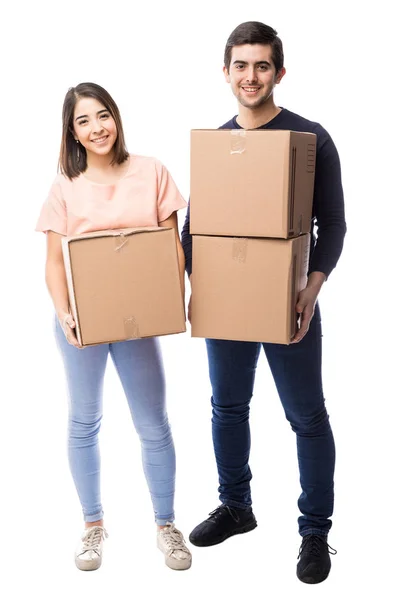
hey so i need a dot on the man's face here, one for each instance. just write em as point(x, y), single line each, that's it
point(252, 74)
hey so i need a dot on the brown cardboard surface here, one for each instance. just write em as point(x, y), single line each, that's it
point(256, 183)
point(124, 284)
point(246, 288)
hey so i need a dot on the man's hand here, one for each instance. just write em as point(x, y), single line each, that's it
point(306, 303)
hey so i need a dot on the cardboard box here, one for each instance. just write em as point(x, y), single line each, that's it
point(124, 284)
point(246, 288)
point(257, 183)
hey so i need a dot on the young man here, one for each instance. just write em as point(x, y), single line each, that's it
point(253, 66)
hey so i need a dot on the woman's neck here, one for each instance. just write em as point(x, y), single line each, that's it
point(96, 162)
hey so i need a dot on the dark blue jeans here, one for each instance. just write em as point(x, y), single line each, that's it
point(297, 373)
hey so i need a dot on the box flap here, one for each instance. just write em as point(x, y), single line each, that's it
point(113, 233)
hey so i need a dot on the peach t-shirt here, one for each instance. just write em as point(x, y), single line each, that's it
point(143, 197)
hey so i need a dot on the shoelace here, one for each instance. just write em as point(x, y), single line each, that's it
point(92, 537)
point(314, 544)
point(218, 513)
point(173, 538)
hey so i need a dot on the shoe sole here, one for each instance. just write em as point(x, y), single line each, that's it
point(312, 580)
point(87, 565)
point(180, 565)
point(244, 529)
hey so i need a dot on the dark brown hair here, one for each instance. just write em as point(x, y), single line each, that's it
point(73, 160)
point(254, 32)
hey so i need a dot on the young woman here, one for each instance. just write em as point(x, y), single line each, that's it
point(101, 186)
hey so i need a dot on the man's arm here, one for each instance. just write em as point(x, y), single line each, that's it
point(328, 209)
point(187, 242)
point(330, 220)
point(187, 248)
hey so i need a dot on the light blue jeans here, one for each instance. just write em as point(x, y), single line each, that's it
point(140, 369)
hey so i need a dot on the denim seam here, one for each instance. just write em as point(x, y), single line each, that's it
point(234, 504)
point(314, 531)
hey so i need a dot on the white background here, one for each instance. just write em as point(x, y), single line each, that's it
point(162, 62)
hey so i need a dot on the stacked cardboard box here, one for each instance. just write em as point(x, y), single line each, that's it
point(250, 216)
point(124, 284)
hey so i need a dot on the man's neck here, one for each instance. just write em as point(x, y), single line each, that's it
point(249, 118)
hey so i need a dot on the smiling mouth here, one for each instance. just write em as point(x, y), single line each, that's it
point(251, 90)
point(100, 140)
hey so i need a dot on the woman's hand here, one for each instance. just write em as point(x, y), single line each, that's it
point(68, 326)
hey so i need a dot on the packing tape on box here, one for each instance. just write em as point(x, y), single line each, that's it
point(238, 141)
point(131, 328)
point(120, 240)
point(239, 250)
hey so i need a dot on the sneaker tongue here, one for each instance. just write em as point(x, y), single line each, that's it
point(315, 546)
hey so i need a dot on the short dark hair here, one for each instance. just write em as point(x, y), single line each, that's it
point(254, 32)
point(73, 160)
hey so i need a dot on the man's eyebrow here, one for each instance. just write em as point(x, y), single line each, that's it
point(98, 112)
point(260, 62)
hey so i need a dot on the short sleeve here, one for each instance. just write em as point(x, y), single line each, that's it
point(53, 215)
point(169, 198)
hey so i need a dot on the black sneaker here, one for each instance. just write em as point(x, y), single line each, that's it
point(222, 523)
point(315, 563)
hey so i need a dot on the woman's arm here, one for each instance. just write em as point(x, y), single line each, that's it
point(56, 281)
point(172, 222)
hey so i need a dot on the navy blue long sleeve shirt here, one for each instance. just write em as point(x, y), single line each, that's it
point(328, 205)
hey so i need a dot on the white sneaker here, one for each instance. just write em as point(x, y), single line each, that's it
point(89, 552)
point(171, 543)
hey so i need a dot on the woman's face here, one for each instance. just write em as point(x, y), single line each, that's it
point(94, 127)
